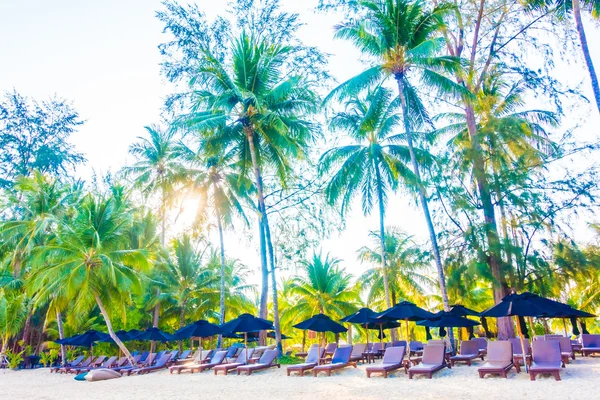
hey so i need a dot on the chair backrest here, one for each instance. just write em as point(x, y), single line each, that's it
point(109, 362)
point(174, 354)
point(231, 352)
point(436, 342)
point(144, 355)
point(434, 354)
point(185, 354)
point(331, 347)
point(218, 357)
point(565, 344)
point(553, 336)
point(342, 355)
point(394, 355)
point(150, 359)
point(469, 347)
point(378, 346)
point(87, 362)
point(546, 351)
point(588, 340)
point(482, 342)
point(313, 353)
point(268, 356)
point(539, 337)
point(358, 349)
point(415, 345)
point(99, 360)
point(122, 361)
point(159, 354)
point(500, 351)
point(516, 346)
point(163, 360)
point(244, 356)
point(76, 361)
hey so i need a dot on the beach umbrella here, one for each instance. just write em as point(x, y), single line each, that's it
point(462, 311)
point(448, 321)
point(406, 311)
point(272, 336)
point(523, 305)
point(246, 323)
point(199, 329)
point(155, 335)
point(383, 325)
point(363, 317)
point(321, 323)
point(86, 339)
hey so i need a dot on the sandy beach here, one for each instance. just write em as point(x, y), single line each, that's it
point(581, 380)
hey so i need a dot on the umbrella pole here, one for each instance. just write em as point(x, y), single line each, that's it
point(565, 327)
point(246, 344)
point(522, 346)
point(381, 333)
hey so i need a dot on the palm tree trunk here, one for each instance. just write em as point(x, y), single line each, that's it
point(163, 217)
point(263, 211)
point(586, 51)
point(423, 196)
point(111, 332)
point(61, 335)
point(222, 287)
point(264, 270)
point(505, 325)
point(386, 283)
point(182, 321)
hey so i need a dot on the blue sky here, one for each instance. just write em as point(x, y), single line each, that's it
point(103, 56)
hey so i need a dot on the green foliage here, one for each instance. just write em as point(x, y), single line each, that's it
point(14, 358)
point(34, 136)
point(47, 358)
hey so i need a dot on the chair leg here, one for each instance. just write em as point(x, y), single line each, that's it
point(556, 375)
point(531, 376)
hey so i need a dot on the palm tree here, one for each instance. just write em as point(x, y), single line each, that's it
point(40, 204)
point(323, 287)
point(563, 7)
point(373, 164)
point(90, 260)
point(260, 110)
point(223, 192)
point(12, 316)
point(406, 266)
point(185, 280)
point(403, 39)
point(157, 169)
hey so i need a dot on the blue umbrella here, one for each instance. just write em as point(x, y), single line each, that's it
point(246, 323)
point(447, 320)
point(198, 329)
point(154, 334)
point(321, 323)
point(406, 311)
point(87, 339)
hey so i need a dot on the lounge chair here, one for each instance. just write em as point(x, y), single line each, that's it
point(416, 348)
point(72, 363)
point(232, 353)
point(340, 359)
point(358, 352)
point(377, 349)
point(104, 364)
point(546, 359)
point(315, 353)
point(266, 361)
point(517, 350)
point(161, 363)
point(469, 350)
point(242, 359)
point(184, 355)
point(127, 365)
point(393, 359)
point(434, 359)
point(500, 359)
point(566, 350)
point(199, 364)
point(144, 355)
point(84, 364)
point(483, 345)
point(590, 344)
point(330, 349)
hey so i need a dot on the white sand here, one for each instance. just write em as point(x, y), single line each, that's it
point(581, 380)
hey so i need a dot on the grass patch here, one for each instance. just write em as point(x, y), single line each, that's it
point(289, 360)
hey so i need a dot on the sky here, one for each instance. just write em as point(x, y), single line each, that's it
point(103, 56)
